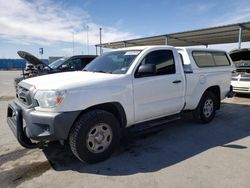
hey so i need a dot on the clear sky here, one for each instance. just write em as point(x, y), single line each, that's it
point(55, 24)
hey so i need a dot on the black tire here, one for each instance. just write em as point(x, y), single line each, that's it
point(84, 126)
point(202, 115)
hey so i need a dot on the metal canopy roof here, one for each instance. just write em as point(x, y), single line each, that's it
point(239, 32)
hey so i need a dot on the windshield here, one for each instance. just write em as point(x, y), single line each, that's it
point(117, 62)
point(57, 63)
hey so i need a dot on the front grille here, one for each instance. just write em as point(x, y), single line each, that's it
point(245, 79)
point(235, 79)
point(241, 77)
point(241, 89)
point(23, 95)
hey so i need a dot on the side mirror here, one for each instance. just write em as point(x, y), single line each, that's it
point(146, 70)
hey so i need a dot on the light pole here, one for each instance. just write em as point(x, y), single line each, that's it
point(100, 41)
point(87, 27)
point(96, 50)
point(73, 43)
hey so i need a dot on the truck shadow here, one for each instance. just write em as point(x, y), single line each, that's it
point(164, 147)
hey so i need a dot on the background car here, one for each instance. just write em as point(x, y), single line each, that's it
point(36, 67)
point(241, 76)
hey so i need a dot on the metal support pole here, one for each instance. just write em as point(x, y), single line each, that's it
point(73, 43)
point(95, 49)
point(100, 41)
point(87, 27)
point(166, 40)
point(240, 37)
point(125, 44)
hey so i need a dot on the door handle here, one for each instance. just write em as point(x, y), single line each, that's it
point(177, 81)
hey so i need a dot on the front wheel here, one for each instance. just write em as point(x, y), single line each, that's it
point(94, 136)
point(205, 111)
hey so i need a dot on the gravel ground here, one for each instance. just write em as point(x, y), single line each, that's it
point(182, 154)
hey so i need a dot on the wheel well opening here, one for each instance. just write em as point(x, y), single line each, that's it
point(216, 91)
point(115, 108)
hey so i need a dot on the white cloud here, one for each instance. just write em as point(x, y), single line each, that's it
point(44, 22)
point(203, 7)
point(67, 51)
point(197, 7)
point(240, 13)
point(230, 46)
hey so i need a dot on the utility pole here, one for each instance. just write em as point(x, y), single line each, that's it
point(87, 27)
point(240, 37)
point(73, 43)
point(100, 41)
point(96, 50)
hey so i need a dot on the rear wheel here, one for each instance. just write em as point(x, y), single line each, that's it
point(94, 136)
point(206, 109)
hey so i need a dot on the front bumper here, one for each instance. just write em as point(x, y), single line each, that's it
point(27, 123)
point(241, 86)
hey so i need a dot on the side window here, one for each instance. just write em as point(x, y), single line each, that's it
point(221, 59)
point(203, 59)
point(85, 61)
point(210, 59)
point(73, 64)
point(163, 60)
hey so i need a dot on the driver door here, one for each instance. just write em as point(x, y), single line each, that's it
point(161, 94)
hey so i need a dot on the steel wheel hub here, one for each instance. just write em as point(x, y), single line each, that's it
point(99, 138)
point(208, 108)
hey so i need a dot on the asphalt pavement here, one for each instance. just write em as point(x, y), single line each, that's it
point(180, 154)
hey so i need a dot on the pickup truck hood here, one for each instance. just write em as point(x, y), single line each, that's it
point(240, 54)
point(30, 58)
point(70, 80)
point(241, 59)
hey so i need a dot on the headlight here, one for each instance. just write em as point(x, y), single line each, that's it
point(49, 98)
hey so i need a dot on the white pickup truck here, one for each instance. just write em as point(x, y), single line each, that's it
point(125, 87)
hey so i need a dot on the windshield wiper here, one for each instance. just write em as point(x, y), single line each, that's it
point(101, 71)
